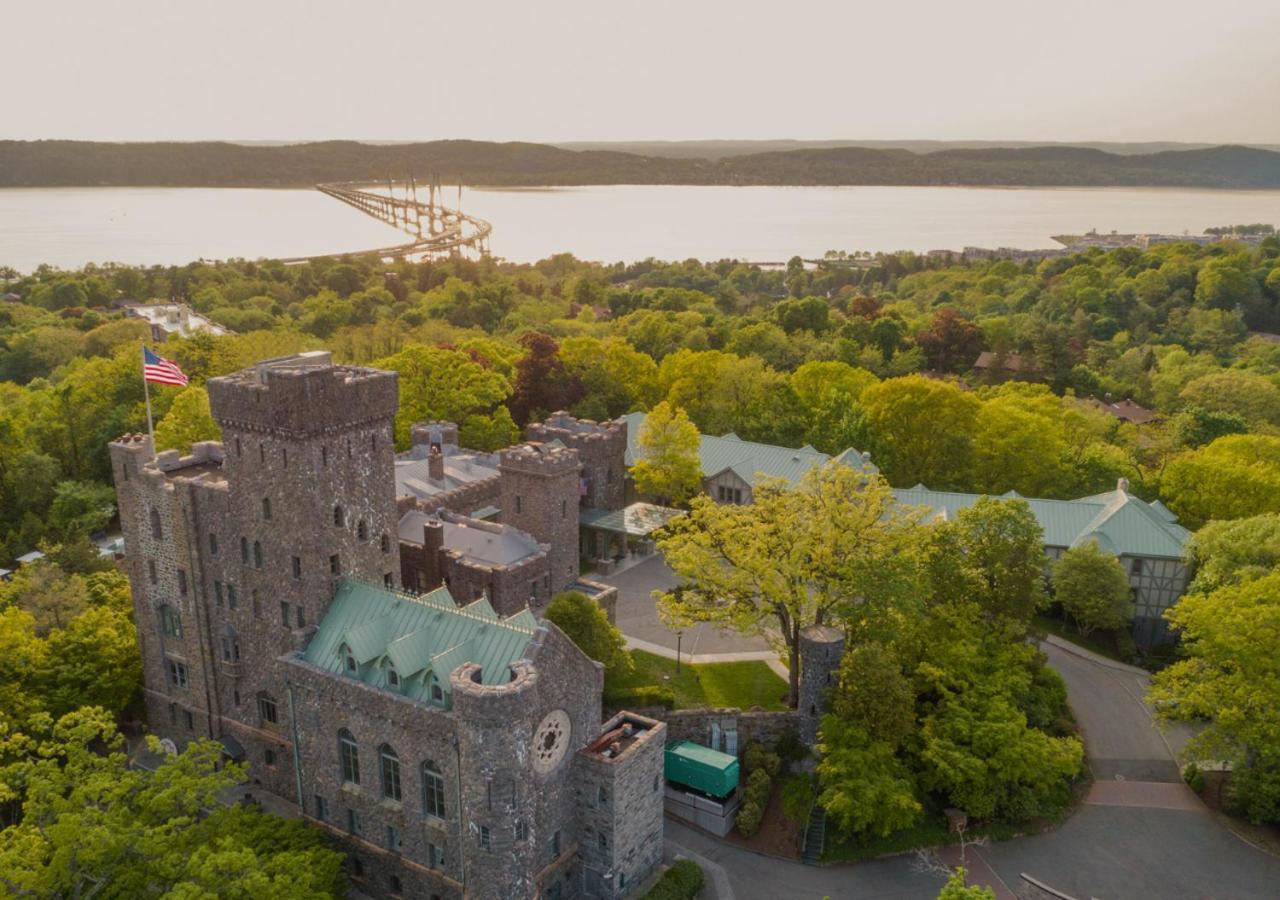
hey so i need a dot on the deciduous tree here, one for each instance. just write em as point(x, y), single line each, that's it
point(669, 467)
point(1093, 588)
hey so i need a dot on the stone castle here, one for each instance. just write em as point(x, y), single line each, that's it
point(360, 630)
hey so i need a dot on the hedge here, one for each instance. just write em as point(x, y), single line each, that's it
point(682, 881)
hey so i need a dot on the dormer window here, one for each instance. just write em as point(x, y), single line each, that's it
point(437, 692)
point(393, 677)
point(351, 664)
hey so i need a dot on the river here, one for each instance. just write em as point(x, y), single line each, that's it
point(68, 227)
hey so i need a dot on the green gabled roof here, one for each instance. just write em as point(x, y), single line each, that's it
point(746, 459)
point(1121, 523)
point(420, 635)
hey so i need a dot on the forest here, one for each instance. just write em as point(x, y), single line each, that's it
point(878, 358)
point(482, 163)
point(881, 357)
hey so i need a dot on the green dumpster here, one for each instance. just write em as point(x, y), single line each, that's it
point(701, 768)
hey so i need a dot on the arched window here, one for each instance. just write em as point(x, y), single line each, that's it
point(432, 790)
point(389, 764)
point(266, 507)
point(267, 711)
point(170, 621)
point(257, 554)
point(349, 754)
point(386, 543)
point(339, 518)
point(362, 530)
point(244, 550)
point(155, 525)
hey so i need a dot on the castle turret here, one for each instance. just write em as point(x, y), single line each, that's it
point(821, 649)
point(602, 450)
point(540, 497)
point(310, 459)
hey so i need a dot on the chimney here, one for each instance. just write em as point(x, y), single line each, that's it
point(435, 463)
point(1107, 396)
point(1123, 485)
point(432, 544)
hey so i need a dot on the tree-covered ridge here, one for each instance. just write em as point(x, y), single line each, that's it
point(220, 164)
point(879, 358)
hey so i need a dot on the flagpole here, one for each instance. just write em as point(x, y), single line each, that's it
point(146, 391)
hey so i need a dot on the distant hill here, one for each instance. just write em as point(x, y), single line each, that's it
point(219, 164)
point(718, 149)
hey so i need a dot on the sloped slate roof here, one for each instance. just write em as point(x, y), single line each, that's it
point(1120, 522)
point(424, 637)
point(747, 459)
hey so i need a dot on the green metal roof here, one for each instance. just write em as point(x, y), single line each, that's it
point(1121, 523)
point(747, 459)
point(423, 637)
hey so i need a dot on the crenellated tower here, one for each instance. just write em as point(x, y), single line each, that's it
point(540, 484)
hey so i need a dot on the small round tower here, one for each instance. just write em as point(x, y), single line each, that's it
point(821, 649)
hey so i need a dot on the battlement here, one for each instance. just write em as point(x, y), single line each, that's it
point(538, 458)
point(302, 395)
point(575, 432)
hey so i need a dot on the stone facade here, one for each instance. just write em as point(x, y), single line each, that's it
point(602, 450)
point(821, 649)
point(234, 555)
point(620, 799)
point(540, 497)
point(427, 562)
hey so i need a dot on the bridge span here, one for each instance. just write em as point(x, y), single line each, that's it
point(435, 229)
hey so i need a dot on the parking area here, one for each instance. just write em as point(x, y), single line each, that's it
point(637, 615)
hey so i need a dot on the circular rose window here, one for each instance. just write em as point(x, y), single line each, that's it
point(550, 741)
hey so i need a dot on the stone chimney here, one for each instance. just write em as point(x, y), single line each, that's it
point(435, 463)
point(1122, 485)
point(432, 544)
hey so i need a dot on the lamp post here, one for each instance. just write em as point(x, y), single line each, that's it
point(679, 639)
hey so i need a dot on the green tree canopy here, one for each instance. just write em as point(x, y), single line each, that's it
point(188, 421)
point(587, 625)
point(1230, 679)
point(1233, 477)
point(670, 468)
point(1093, 588)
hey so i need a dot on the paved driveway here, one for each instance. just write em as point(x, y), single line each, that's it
point(637, 615)
point(1121, 738)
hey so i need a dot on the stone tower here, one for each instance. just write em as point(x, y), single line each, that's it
point(602, 450)
point(540, 497)
point(310, 460)
point(821, 649)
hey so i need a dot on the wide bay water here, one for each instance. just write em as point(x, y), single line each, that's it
point(68, 227)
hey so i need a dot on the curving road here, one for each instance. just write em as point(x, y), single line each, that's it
point(1140, 833)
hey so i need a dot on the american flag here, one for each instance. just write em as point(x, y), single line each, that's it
point(159, 370)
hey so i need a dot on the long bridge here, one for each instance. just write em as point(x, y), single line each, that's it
point(436, 230)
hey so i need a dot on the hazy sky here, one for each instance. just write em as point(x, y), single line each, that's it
point(546, 70)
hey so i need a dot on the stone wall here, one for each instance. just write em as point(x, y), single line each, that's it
point(699, 725)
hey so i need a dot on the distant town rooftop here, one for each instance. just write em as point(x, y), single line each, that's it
point(174, 318)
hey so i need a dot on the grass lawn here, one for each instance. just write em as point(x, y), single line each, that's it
point(742, 684)
point(930, 831)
